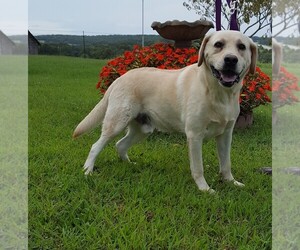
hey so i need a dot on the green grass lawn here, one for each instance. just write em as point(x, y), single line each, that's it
point(13, 152)
point(153, 204)
point(286, 191)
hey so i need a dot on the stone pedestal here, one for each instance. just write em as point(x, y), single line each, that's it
point(182, 32)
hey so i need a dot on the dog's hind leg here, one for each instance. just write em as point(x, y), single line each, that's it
point(134, 134)
point(95, 150)
point(113, 124)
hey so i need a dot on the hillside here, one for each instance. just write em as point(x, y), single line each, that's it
point(103, 47)
point(111, 46)
point(100, 39)
point(115, 39)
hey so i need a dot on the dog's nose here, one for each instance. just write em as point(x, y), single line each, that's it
point(230, 60)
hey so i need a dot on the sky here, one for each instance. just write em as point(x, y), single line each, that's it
point(94, 17)
point(14, 16)
point(102, 17)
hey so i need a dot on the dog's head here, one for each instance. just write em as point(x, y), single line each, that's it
point(229, 55)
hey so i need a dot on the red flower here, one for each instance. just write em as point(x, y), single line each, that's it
point(105, 73)
point(193, 59)
point(122, 71)
point(98, 85)
point(113, 63)
point(160, 57)
point(254, 90)
point(258, 96)
point(169, 52)
point(283, 88)
point(252, 87)
point(181, 59)
point(129, 61)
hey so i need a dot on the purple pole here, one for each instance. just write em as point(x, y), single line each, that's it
point(233, 19)
point(218, 14)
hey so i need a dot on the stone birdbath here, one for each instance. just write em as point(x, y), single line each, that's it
point(182, 32)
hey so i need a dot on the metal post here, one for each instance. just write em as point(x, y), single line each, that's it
point(83, 39)
point(218, 14)
point(233, 12)
point(143, 35)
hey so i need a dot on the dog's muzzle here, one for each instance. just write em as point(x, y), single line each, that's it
point(228, 75)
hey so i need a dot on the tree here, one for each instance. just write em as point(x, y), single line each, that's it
point(257, 14)
point(286, 15)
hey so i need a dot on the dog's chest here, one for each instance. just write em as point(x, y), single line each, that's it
point(214, 129)
point(217, 124)
point(220, 118)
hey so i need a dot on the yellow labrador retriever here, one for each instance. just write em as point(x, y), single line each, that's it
point(200, 100)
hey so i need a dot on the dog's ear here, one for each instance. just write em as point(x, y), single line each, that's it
point(202, 48)
point(254, 54)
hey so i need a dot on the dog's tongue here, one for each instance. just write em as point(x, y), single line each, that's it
point(228, 77)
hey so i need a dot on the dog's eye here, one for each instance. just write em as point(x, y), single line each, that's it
point(218, 45)
point(242, 46)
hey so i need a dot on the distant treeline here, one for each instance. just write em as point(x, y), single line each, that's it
point(264, 55)
point(100, 47)
point(291, 55)
point(111, 46)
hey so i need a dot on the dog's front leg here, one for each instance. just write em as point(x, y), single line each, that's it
point(196, 163)
point(223, 147)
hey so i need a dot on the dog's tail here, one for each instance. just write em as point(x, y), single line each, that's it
point(94, 118)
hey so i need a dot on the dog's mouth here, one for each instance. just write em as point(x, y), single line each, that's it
point(226, 77)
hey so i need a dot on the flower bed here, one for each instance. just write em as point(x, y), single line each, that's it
point(254, 91)
point(166, 56)
point(160, 55)
point(284, 86)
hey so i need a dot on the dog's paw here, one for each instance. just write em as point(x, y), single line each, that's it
point(211, 191)
point(203, 186)
point(208, 190)
point(88, 170)
point(238, 184)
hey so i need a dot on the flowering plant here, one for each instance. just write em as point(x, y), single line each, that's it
point(160, 55)
point(166, 56)
point(254, 90)
point(284, 85)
